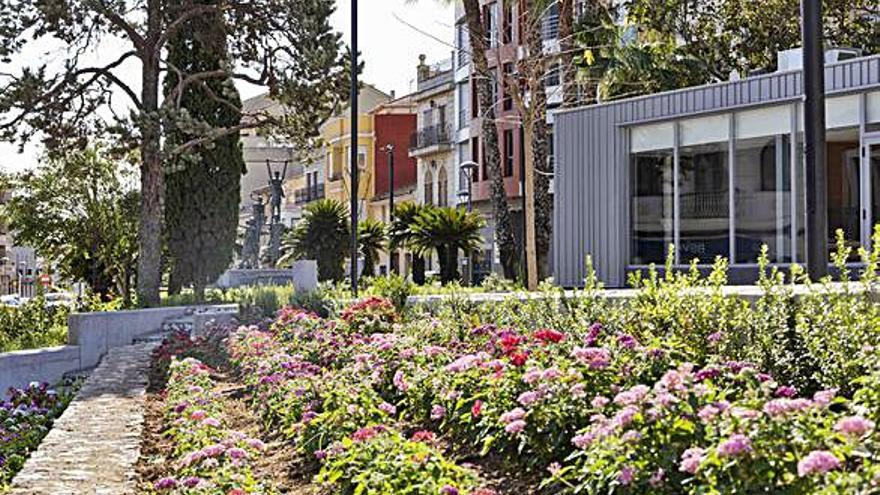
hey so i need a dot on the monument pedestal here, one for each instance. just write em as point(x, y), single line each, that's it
point(303, 275)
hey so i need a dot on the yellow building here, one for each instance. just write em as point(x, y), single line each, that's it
point(336, 138)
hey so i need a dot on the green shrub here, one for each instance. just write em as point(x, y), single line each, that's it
point(32, 325)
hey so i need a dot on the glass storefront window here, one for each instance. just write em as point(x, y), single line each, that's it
point(762, 185)
point(652, 205)
point(704, 213)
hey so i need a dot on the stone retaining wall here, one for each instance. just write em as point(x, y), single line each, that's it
point(95, 444)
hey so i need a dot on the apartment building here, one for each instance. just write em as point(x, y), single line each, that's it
point(504, 30)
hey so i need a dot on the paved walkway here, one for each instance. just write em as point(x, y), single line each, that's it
point(95, 444)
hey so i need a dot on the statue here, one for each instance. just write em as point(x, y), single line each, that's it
point(250, 252)
point(276, 191)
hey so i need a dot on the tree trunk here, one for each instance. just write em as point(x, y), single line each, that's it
point(152, 175)
point(541, 227)
point(418, 270)
point(484, 79)
point(531, 252)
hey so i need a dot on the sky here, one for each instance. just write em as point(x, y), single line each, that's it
point(392, 35)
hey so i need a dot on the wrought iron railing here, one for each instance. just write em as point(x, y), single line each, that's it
point(308, 194)
point(434, 135)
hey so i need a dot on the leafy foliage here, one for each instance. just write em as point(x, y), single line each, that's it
point(372, 238)
point(447, 230)
point(202, 186)
point(80, 213)
point(322, 235)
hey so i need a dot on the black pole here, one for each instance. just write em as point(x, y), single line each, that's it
point(814, 139)
point(392, 253)
point(390, 149)
point(354, 148)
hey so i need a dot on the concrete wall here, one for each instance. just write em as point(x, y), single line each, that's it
point(91, 335)
point(37, 365)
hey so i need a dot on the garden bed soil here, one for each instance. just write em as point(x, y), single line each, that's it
point(274, 466)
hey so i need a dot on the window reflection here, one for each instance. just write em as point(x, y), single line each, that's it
point(704, 213)
point(652, 205)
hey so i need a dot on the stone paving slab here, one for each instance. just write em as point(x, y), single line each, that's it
point(94, 446)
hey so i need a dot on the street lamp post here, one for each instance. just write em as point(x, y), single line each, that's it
point(814, 139)
point(467, 170)
point(354, 147)
point(389, 150)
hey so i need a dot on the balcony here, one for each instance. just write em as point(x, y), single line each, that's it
point(550, 26)
point(432, 139)
point(308, 194)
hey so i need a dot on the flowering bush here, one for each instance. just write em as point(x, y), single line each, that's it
point(208, 457)
point(371, 315)
point(378, 460)
point(26, 415)
point(679, 390)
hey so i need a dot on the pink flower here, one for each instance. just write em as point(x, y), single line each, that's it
point(438, 412)
point(212, 422)
point(387, 408)
point(817, 462)
point(513, 415)
point(236, 453)
point(554, 468)
point(691, 460)
point(626, 475)
point(198, 415)
point(657, 478)
point(627, 341)
point(824, 397)
point(424, 436)
point(786, 391)
point(165, 484)
point(634, 395)
point(515, 427)
point(477, 408)
point(708, 413)
point(625, 416)
point(594, 357)
point(528, 398)
point(599, 401)
point(548, 335)
point(400, 382)
point(735, 445)
point(854, 426)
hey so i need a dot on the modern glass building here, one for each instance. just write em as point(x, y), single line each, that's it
point(715, 170)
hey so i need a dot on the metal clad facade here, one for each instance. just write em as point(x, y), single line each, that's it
point(592, 169)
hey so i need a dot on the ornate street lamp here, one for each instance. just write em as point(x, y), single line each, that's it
point(468, 171)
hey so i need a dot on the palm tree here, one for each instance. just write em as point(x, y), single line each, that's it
point(322, 235)
point(485, 79)
point(401, 236)
point(448, 230)
point(372, 237)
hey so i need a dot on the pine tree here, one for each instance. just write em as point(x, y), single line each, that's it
point(202, 186)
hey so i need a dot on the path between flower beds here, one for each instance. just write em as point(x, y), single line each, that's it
point(95, 444)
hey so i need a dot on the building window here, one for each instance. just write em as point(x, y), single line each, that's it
point(428, 198)
point(475, 156)
point(550, 28)
point(475, 100)
point(442, 187)
point(462, 43)
point(507, 34)
point(490, 23)
point(652, 205)
point(553, 75)
point(463, 106)
point(507, 103)
point(508, 152)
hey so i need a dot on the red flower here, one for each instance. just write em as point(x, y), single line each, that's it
point(519, 358)
point(509, 342)
point(547, 335)
point(477, 408)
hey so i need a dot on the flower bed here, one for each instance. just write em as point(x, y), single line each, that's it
point(207, 456)
point(588, 409)
point(26, 415)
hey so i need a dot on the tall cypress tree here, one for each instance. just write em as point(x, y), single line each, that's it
point(203, 186)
